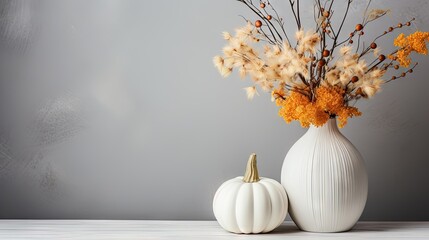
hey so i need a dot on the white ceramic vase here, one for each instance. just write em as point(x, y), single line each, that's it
point(326, 180)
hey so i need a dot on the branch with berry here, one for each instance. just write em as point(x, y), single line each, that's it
point(321, 64)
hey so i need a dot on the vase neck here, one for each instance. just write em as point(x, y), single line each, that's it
point(329, 126)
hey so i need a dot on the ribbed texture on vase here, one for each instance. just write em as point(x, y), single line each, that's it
point(326, 181)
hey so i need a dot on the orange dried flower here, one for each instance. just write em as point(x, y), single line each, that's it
point(295, 107)
point(415, 42)
point(329, 102)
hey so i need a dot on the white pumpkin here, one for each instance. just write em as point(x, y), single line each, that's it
point(250, 204)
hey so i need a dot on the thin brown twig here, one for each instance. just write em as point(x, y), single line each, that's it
point(292, 3)
point(252, 7)
point(402, 76)
point(269, 23)
point(298, 13)
point(341, 26)
point(278, 19)
point(267, 37)
point(302, 79)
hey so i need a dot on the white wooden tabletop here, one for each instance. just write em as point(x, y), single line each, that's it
point(190, 230)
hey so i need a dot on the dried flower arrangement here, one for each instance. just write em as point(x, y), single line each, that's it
point(319, 75)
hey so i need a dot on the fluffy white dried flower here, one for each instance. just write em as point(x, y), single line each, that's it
point(345, 50)
point(244, 32)
point(332, 77)
point(251, 92)
point(307, 41)
point(242, 71)
point(229, 62)
point(360, 67)
point(228, 51)
point(370, 88)
point(299, 34)
point(376, 73)
point(345, 62)
point(267, 86)
point(236, 43)
point(226, 35)
point(225, 71)
point(218, 62)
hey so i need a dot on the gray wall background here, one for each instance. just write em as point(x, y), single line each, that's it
point(112, 109)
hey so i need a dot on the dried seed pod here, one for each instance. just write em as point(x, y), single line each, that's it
point(326, 53)
point(359, 27)
point(326, 14)
point(269, 17)
point(322, 62)
point(258, 23)
point(381, 58)
point(355, 79)
point(262, 5)
point(373, 45)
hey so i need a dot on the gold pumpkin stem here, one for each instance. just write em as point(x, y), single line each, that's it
point(251, 175)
